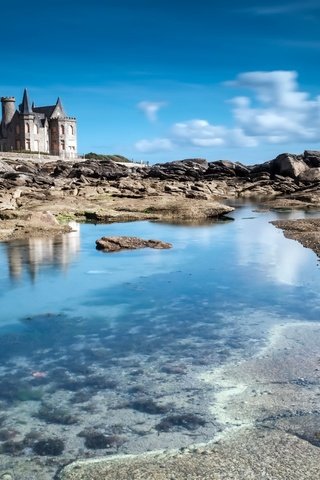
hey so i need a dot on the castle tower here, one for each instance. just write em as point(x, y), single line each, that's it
point(8, 110)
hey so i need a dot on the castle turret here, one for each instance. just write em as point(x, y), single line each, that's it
point(8, 110)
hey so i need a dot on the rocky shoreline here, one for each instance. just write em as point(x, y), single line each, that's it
point(105, 191)
point(305, 231)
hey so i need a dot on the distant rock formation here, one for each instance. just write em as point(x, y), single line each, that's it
point(191, 178)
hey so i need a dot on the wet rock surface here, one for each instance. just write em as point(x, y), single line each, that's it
point(305, 231)
point(115, 244)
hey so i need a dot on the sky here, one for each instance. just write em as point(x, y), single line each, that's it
point(160, 80)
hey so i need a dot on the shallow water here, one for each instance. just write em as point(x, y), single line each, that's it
point(96, 345)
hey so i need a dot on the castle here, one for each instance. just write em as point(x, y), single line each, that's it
point(37, 129)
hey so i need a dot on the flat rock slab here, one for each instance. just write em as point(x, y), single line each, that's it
point(305, 231)
point(251, 454)
point(115, 244)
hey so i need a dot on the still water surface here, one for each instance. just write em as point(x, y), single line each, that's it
point(96, 345)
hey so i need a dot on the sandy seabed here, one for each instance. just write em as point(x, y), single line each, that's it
point(270, 406)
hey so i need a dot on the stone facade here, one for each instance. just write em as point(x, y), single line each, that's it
point(37, 129)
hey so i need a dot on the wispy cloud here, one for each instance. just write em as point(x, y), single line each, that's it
point(151, 109)
point(155, 145)
point(285, 8)
point(305, 44)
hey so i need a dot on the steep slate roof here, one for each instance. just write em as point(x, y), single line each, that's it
point(47, 111)
point(25, 107)
point(50, 110)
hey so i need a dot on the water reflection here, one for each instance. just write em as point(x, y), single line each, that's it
point(32, 254)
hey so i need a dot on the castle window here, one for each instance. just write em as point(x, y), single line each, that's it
point(62, 145)
point(27, 128)
point(17, 130)
point(28, 146)
point(62, 129)
point(71, 131)
point(35, 129)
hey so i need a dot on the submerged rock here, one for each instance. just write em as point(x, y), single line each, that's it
point(114, 244)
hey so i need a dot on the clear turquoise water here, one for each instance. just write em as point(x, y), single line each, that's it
point(247, 261)
point(147, 320)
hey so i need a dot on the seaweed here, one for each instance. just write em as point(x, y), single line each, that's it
point(12, 448)
point(52, 414)
point(147, 405)
point(81, 396)
point(95, 440)
point(7, 434)
point(27, 394)
point(49, 446)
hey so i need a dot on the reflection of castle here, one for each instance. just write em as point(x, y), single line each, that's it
point(29, 255)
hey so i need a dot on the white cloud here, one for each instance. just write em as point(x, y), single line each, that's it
point(150, 109)
point(155, 145)
point(238, 138)
point(275, 111)
point(281, 112)
point(199, 133)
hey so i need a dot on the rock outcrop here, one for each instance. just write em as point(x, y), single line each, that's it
point(103, 190)
point(175, 177)
point(115, 244)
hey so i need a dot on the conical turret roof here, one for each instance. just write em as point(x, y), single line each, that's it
point(25, 107)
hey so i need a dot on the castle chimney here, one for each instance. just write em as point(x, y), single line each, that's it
point(8, 110)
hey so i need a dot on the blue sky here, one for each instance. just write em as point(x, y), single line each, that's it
point(162, 80)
